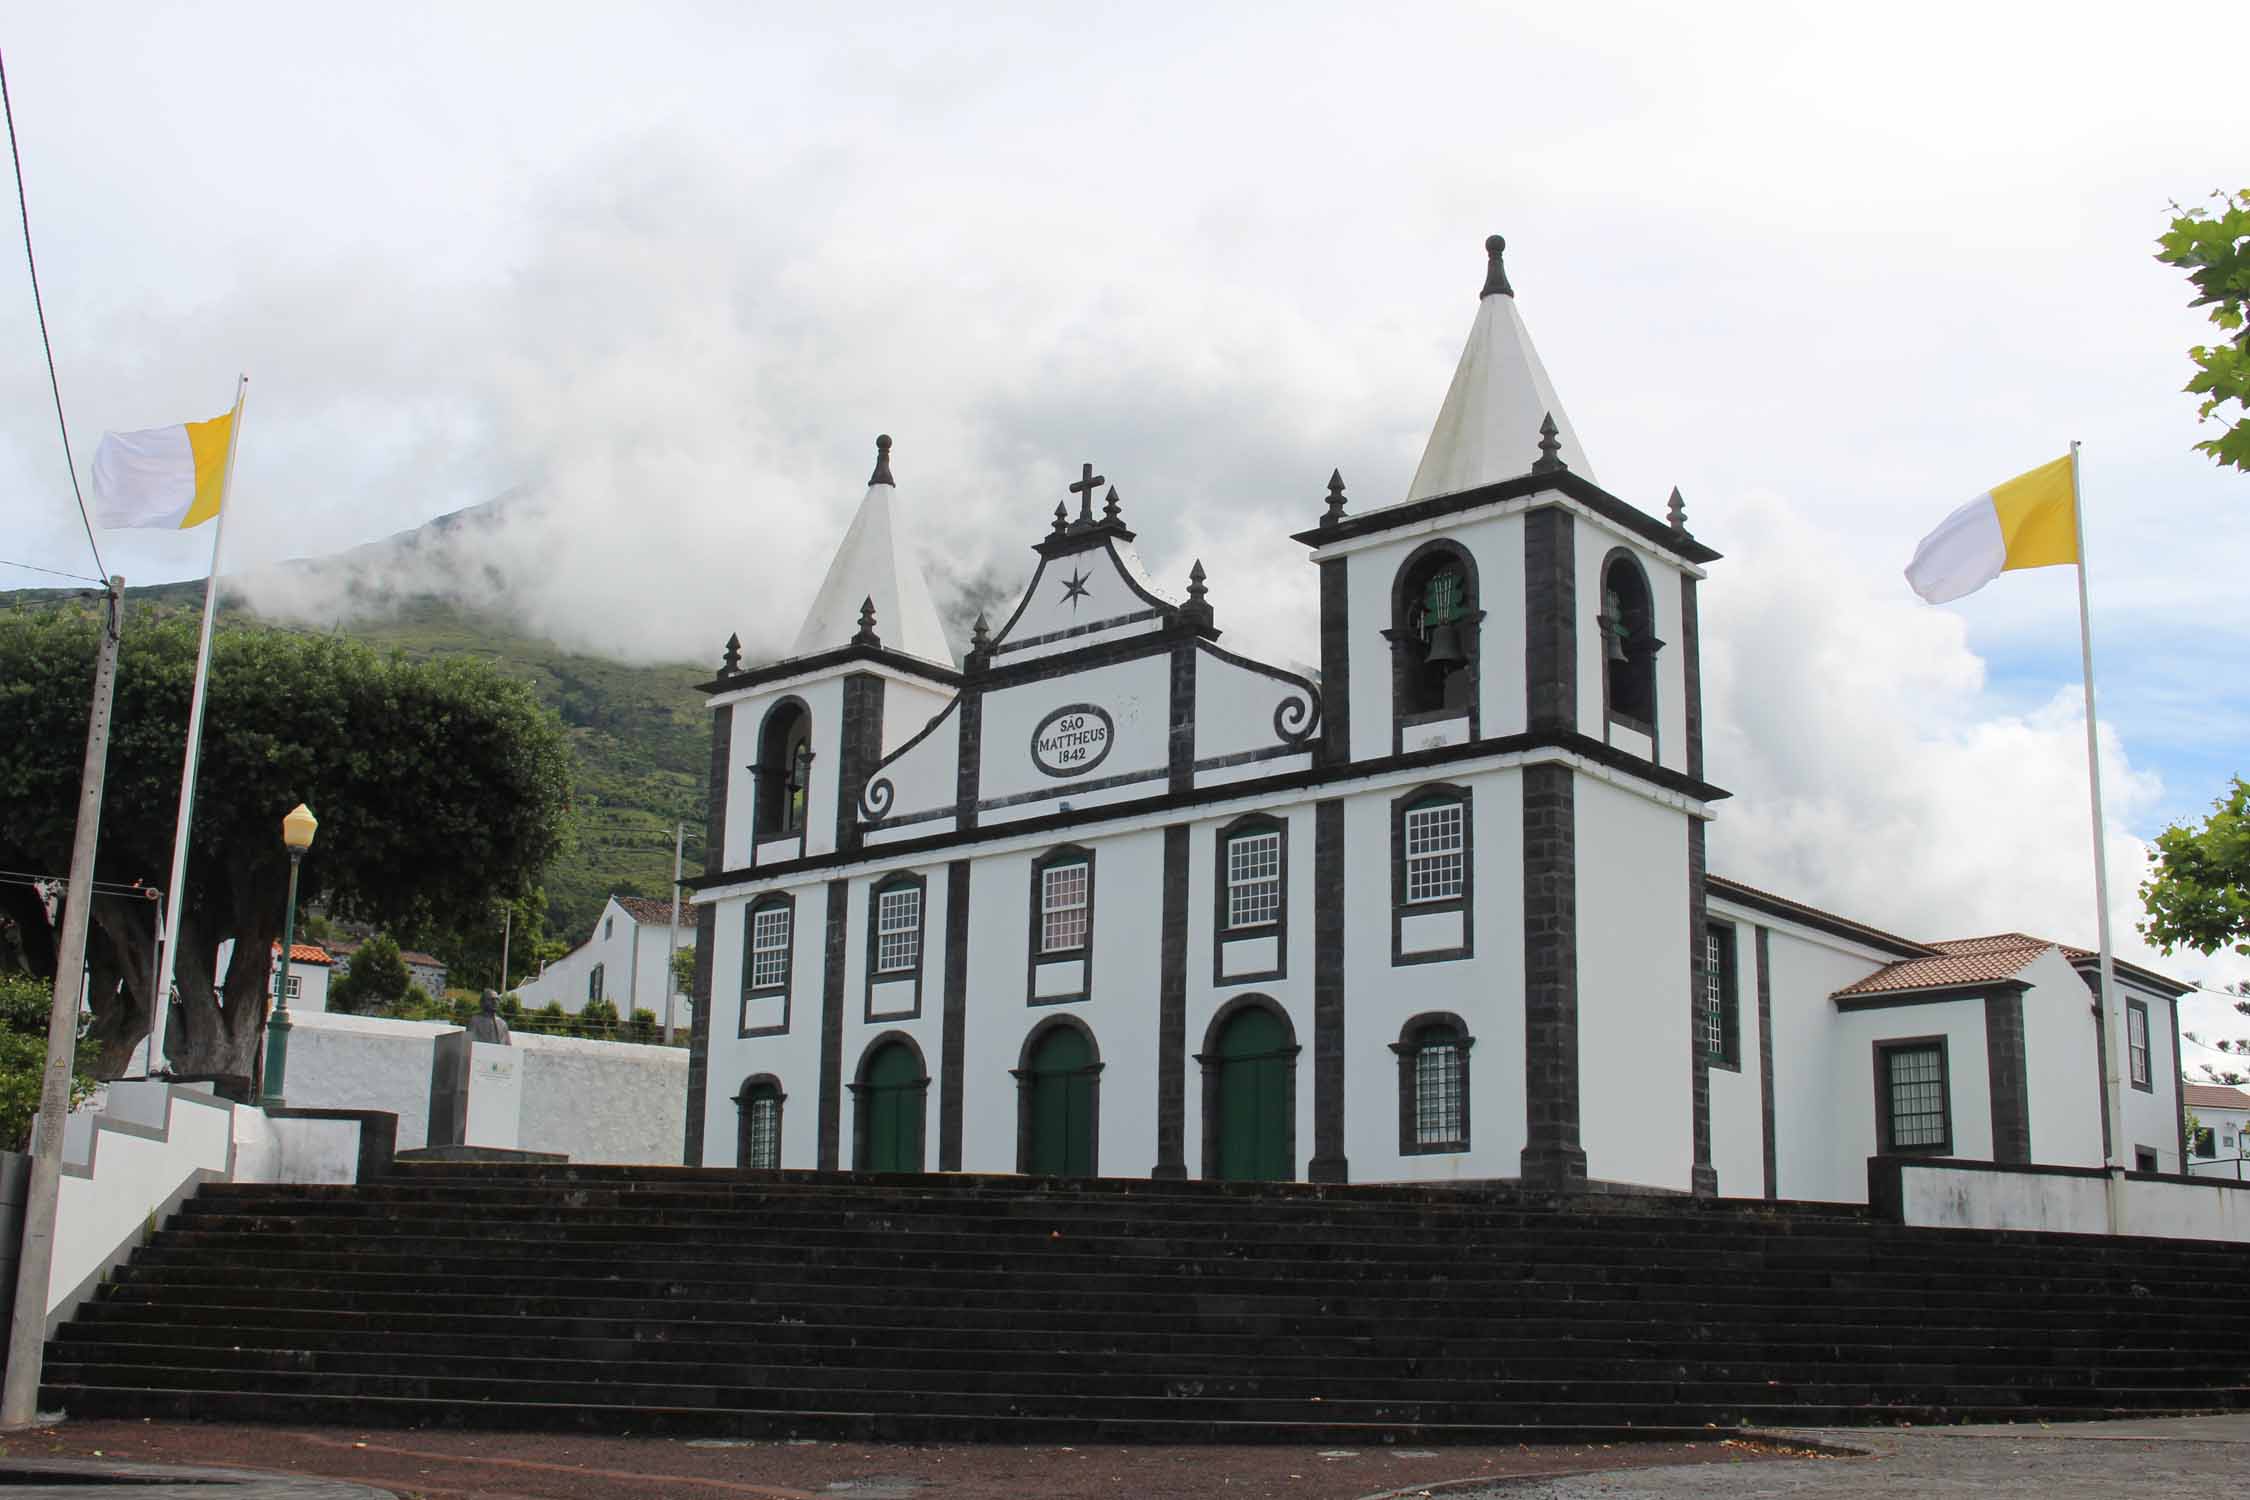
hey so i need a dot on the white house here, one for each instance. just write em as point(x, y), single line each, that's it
point(1106, 896)
point(622, 961)
point(2218, 1136)
point(309, 969)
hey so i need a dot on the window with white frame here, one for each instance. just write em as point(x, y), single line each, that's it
point(295, 983)
point(2136, 1042)
point(769, 947)
point(1916, 1114)
point(898, 929)
point(1065, 910)
point(1720, 1024)
point(1254, 879)
point(594, 984)
point(1434, 849)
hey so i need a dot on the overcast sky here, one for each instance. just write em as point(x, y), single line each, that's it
point(664, 271)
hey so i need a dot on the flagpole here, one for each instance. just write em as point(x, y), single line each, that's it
point(2107, 1011)
point(160, 1006)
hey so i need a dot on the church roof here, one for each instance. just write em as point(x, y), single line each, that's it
point(2213, 1096)
point(656, 909)
point(874, 565)
point(1489, 427)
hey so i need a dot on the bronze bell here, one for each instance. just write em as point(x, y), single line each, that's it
point(1445, 646)
point(1613, 644)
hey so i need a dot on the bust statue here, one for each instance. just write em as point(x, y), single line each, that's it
point(486, 1025)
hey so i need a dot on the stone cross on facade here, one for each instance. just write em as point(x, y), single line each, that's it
point(1088, 482)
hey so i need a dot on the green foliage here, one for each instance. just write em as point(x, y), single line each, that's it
point(438, 783)
point(376, 982)
point(683, 972)
point(2198, 895)
point(645, 1028)
point(2214, 249)
point(25, 1004)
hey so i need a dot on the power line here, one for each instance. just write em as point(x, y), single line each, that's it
point(23, 204)
point(52, 572)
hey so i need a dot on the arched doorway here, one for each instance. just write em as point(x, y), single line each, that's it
point(892, 1085)
point(1058, 1094)
point(1249, 1095)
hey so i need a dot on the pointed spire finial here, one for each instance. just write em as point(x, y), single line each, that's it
point(980, 634)
point(882, 474)
point(1676, 512)
point(867, 635)
point(1550, 450)
point(1110, 508)
point(731, 662)
point(1197, 610)
point(1335, 511)
point(1062, 519)
point(1196, 575)
point(1495, 274)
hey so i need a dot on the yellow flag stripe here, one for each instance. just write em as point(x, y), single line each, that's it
point(2038, 518)
point(208, 442)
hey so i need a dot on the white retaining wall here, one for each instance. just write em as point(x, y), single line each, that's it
point(2062, 1200)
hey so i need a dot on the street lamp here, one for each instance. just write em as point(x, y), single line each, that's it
point(297, 832)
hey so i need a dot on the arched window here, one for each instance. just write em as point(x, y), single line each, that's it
point(1433, 1085)
point(1629, 644)
point(758, 1123)
point(783, 773)
point(1249, 1062)
point(1434, 632)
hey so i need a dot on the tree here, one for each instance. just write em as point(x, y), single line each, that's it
point(2215, 252)
point(683, 973)
point(376, 981)
point(24, 1008)
point(2198, 894)
point(439, 785)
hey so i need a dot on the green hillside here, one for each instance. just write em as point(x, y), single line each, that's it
point(640, 737)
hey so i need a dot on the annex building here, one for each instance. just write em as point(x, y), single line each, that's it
point(1108, 897)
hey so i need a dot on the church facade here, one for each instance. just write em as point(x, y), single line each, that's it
point(1107, 897)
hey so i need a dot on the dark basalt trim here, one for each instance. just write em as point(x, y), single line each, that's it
point(837, 934)
point(1278, 929)
point(1180, 745)
point(1409, 1057)
point(860, 741)
point(1084, 821)
point(1703, 1178)
point(897, 880)
point(1060, 854)
point(1691, 669)
point(787, 988)
point(2010, 1075)
point(1553, 1157)
point(1091, 627)
point(1465, 903)
point(1550, 619)
point(821, 661)
point(706, 929)
point(1335, 661)
point(1329, 1164)
point(1576, 486)
point(1768, 1146)
point(954, 1027)
point(1171, 1011)
point(1819, 921)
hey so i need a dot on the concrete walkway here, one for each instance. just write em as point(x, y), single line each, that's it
point(2160, 1459)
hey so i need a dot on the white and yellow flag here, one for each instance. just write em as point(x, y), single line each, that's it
point(2029, 522)
point(166, 477)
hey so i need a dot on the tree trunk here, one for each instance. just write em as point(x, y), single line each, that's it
point(125, 958)
point(34, 929)
point(215, 1032)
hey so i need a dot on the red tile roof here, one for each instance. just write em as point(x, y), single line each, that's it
point(1973, 961)
point(659, 911)
point(2213, 1096)
point(304, 953)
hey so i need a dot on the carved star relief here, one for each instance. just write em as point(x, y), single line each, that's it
point(1074, 589)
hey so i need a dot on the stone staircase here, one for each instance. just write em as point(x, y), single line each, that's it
point(671, 1300)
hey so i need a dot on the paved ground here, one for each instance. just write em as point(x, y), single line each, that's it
point(433, 1465)
point(2111, 1460)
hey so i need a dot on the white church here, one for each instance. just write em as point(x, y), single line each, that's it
point(1106, 897)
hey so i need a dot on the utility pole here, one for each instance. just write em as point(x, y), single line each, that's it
point(672, 947)
point(27, 1335)
point(507, 925)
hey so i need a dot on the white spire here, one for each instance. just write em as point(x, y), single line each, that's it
point(875, 563)
point(1488, 429)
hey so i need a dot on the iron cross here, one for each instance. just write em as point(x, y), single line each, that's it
point(1088, 482)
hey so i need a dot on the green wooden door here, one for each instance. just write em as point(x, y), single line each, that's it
point(1254, 1058)
point(891, 1094)
point(1062, 1105)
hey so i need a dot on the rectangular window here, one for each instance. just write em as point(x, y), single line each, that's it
point(294, 984)
point(2144, 1159)
point(1434, 852)
point(898, 930)
point(1253, 880)
point(1437, 1095)
point(1720, 1025)
point(769, 948)
point(1063, 911)
point(1915, 1114)
point(2206, 1143)
point(2136, 1043)
point(594, 985)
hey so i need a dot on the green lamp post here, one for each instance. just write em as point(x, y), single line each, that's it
point(297, 832)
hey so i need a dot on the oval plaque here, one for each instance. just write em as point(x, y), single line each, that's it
point(1072, 741)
